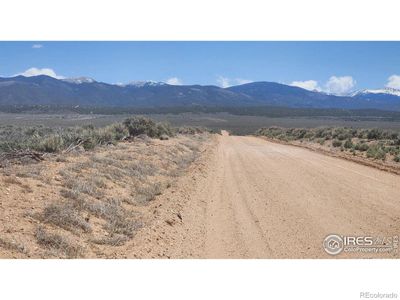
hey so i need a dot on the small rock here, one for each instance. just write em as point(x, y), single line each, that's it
point(170, 222)
point(164, 137)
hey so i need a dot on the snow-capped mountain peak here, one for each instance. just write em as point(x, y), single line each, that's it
point(388, 91)
point(79, 80)
point(144, 83)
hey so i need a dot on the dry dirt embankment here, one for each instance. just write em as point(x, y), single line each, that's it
point(91, 203)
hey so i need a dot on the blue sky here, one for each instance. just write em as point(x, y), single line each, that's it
point(338, 67)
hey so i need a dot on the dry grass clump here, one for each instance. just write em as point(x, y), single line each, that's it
point(147, 193)
point(124, 165)
point(32, 171)
point(184, 161)
point(13, 245)
point(78, 200)
point(114, 240)
point(58, 243)
point(65, 216)
point(193, 146)
point(12, 180)
point(119, 220)
point(84, 185)
point(70, 194)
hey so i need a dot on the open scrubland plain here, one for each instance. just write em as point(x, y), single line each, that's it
point(141, 189)
point(236, 124)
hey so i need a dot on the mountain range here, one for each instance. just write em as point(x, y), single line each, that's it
point(83, 91)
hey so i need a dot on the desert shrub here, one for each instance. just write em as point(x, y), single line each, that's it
point(164, 129)
point(353, 132)
point(336, 143)
point(141, 125)
point(361, 147)
point(397, 158)
point(374, 134)
point(393, 151)
point(348, 144)
point(119, 130)
point(53, 143)
point(309, 135)
point(376, 152)
point(341, 134)
point(301, 133)
point(60, 243)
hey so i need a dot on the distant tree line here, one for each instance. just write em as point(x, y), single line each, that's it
point(267, 111)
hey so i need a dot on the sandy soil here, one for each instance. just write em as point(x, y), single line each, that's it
point(256, 199)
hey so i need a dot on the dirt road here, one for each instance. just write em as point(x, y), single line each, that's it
point(258, 199)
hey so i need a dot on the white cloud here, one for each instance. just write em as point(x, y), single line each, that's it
point(340, 85)
point(37, 46)
point(335, 85)
point(174, 81)
point(393, 82)
point(36, 72)
point(310, 85)
point(225, 82)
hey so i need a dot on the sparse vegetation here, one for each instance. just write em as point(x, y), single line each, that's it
point(65, 216)
point(54, 140)
point(13, 245)
point(58, 243)
point(97, 198)
point(376, 143)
